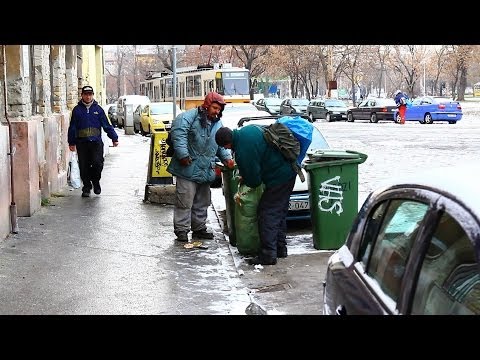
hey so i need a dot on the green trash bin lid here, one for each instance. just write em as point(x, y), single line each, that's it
point(332, 154)
point(326, 157)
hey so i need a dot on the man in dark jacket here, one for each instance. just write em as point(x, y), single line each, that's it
point(193, 165)
point(85, 137)
point(259, 162)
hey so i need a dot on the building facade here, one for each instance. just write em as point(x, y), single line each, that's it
point(40, 85)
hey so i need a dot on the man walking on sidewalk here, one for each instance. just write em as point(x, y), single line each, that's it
point(85, 137)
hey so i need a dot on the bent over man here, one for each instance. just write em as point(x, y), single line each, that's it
point(259, 162)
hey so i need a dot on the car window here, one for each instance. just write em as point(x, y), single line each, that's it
point(334, 103)
point(318, 141)
point(393, 244)
point(371, 230)
point(417, 102)
point(449, 280)
point(273, 101)
point(300, 102)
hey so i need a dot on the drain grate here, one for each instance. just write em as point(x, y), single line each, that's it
point(271, 288)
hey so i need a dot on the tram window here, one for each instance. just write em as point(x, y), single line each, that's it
point(189, 85)
point(197, 85)
point(219, 86)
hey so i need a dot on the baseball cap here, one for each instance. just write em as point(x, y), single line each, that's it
point(87, 88)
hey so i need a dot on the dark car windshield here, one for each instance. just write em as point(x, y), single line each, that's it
point(273, 101)
point(159, 109)
point(334, 103)
point(300, 102)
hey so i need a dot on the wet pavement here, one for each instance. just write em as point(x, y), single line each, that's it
point(114, 254)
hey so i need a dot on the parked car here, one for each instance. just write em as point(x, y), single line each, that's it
point(133, 100)
point(157, 116)
point(233, 112)
point(111, 112)
point(328, 109)
point(299, 206)
point(414, 248)
point(294, 106)
point(137, 115)
point(427, 109)
point(373, 109)
point(270, 105)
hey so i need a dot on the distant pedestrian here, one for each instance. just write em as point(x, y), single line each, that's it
point(85, 136)
point(401, 100)
point(193, 165)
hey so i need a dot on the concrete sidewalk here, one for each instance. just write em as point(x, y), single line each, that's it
point(115, 254)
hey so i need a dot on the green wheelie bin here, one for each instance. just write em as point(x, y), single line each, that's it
point(333, 183)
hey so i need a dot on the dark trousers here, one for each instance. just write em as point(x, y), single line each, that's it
point(90, 161)
point(272, 218)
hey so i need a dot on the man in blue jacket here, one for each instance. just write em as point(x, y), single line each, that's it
point(193, 164)
point(85, 136)
point(259, 162)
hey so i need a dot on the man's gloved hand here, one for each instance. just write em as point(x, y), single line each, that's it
point(186, 161)
point(229, 163)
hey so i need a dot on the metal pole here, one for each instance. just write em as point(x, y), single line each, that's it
point(11, 153)
point(174, 68)
point(424, 81)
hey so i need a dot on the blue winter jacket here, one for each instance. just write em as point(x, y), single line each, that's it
point(191, 139)
point(258, 161)
point(86, 124)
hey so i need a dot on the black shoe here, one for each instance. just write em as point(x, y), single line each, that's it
point(202, 234)
point(86, 191)
point(96, 187)
point(257, 260)
point(182, 236)
point(282, 252)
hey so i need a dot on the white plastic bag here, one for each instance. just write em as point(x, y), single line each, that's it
point(73, 173)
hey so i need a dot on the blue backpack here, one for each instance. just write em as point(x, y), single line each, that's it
point(291, 136)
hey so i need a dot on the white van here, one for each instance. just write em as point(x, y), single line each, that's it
point(126, 100)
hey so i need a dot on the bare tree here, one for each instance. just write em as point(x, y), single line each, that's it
point(407, 60)
point(460, 56)
point(251, 57)
point(353, 56)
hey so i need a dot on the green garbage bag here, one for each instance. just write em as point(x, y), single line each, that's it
point(246, 224)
